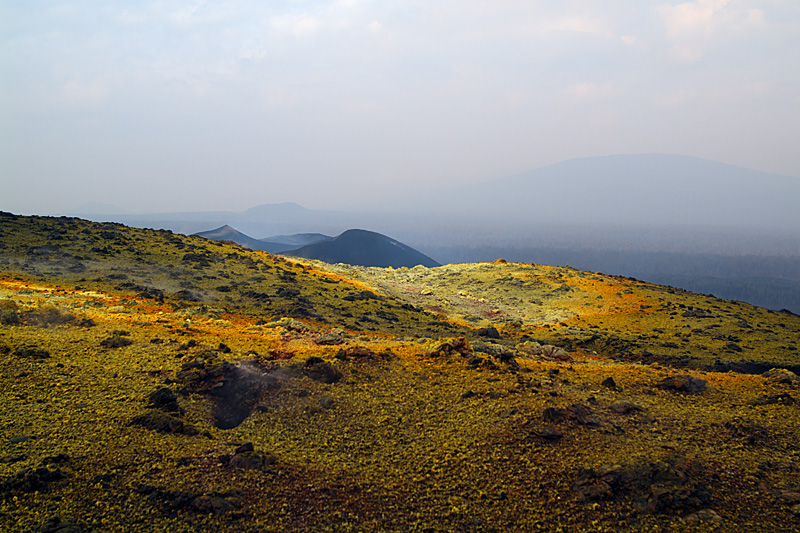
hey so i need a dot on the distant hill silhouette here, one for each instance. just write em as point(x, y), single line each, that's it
point(228, 233)
point(631, 190)
point(297, 240)
point(365, 248)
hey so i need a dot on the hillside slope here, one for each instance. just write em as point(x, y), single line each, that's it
point(156, 382)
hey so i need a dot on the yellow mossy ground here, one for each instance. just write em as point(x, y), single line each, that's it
point(157, 382)
point(401, 442)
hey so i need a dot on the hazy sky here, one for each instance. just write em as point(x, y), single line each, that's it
point(177, 105)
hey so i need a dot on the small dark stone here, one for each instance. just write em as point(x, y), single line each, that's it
point(770, 399)
point(609, 383)
point(8, 459)
point(34, 352)
point(554, 414)
point(251, 460)
point(683, 383)
point(246, 447)
point(326, 402)
point(548, 434)
point(489, 332)
point(162, 422)
point(56, 525)
point(625, 408)
point(318, 370)
point(164, 399)
point(117, 339)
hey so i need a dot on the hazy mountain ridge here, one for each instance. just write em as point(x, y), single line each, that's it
point(637, 189)
point(357, 247)
point(364, 248)
point(571, 209)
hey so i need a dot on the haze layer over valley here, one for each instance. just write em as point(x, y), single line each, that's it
point(683, 221)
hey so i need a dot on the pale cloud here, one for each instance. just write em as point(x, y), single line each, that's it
point(297, 25)
point(672, 99)
point(695, 27)
point(691, 16)
point(85, 93)
point(591, 90)
point(397, 90)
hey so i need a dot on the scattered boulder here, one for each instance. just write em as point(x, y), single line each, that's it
point(781, 375)
point(214, 503)
point(57, 525)
point(118, 339)
point(622, 407)
point(554, 414)
point(673, 484)
point(451, 346)
point(683, 383)
point(156, 420)
point(548, 434)
point(704, 515)
point(363, 295)
point(319, 370)
point(330, 338)
point(609, 383)
point(355, 352)
point(30, 480)
point(575, 412)
point(164, 399)
point(31, 351)
point(247, 458)
point(289, 324)
point(547, 351)
point(770, 399)
point(48, 315)
point(501, 353)
point(488, 332)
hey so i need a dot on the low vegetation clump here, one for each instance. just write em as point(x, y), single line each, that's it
point(136, 406)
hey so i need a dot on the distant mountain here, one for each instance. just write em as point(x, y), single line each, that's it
point(630, 190)
point(227, 233)
point(297, 240)
point(365, 248)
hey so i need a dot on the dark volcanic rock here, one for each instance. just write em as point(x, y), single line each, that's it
point(162, 422)
point(489, 332)
point(683, 383)
point(673, 484)
point(118, 339)
point(548, 434)
point(609, 383)
point(770, 399)
point(56, 525)
point(30, 480)
point(34, 352)
point(246, 457)
point(328, 339)
point(164, 399)
point(319, 370)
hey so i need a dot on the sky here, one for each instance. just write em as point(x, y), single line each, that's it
point(190, 105)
